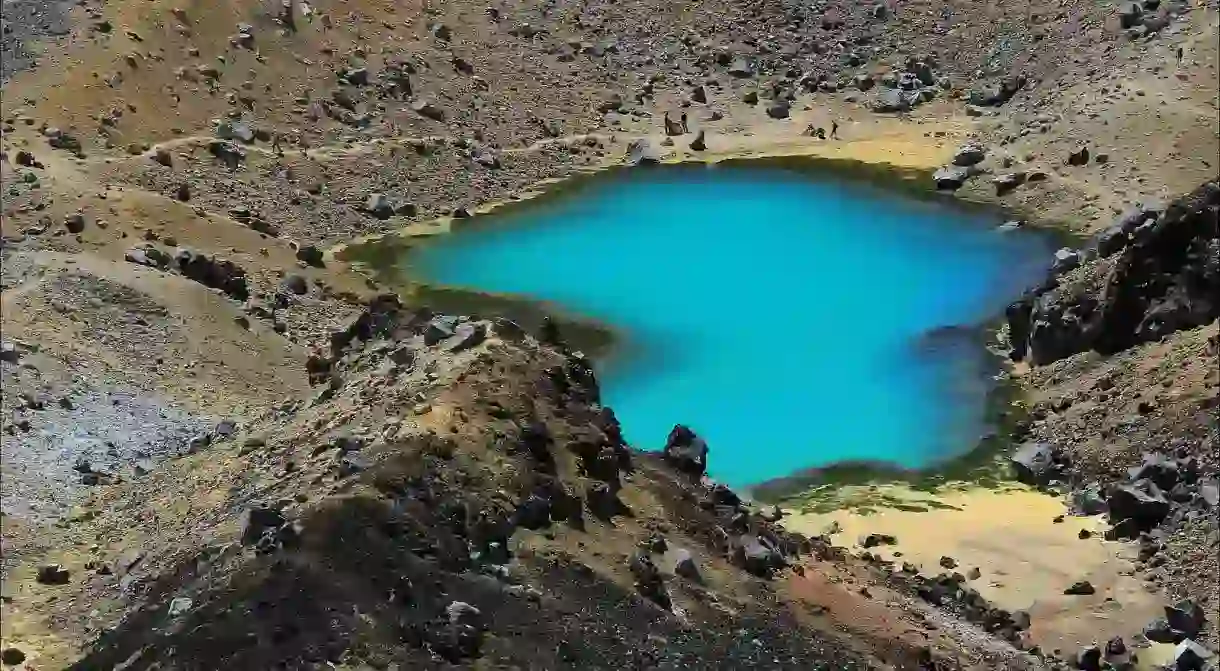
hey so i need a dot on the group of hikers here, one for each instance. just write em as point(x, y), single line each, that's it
point(679, 127)
point(820, 133)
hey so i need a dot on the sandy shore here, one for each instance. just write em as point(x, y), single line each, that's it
point(1025, 558)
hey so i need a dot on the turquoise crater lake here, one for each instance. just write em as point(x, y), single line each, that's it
point(794, 320)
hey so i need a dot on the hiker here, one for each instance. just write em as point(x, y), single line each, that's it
point(1179, 55)
point(834, 130)
point(275, 144)
point(684, 127)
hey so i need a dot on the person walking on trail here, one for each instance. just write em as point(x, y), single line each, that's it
point(275, 144)
point(685, 128)
point(1179, 55)
point(834, 130)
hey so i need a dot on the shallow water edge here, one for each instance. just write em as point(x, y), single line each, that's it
point(983, 465)
point(377, 259)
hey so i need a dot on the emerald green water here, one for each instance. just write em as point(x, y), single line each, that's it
point(792, 321)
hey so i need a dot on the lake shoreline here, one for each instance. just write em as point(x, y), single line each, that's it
point(980, 463)
point(911, 178)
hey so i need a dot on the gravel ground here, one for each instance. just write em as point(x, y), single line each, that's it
point(79, 433)
point(25, 22)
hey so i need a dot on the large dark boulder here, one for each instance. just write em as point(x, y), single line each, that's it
point(1018, 315)
point(257, 523)
point(969, 154)
point(1159, 631)
point(311, 256)
point(994, 95)
point(951, 177)
point(379, 206)
point(1090, 500)
point(62, 140)
point(1080, 588)
point(534, 512)
point(214, 272)
point(1057, 326)
point(52, 574)
point(686, 451)
point(231, 154)
point(685, 565)
point(780, 109)
point(468, 335)
point(1036, 463)
point(1186, 616)
point(457, 636)
point(1089, 658)
point(874, 540)
point(891, 100)
point(750, 553)
point(149, 255)
point(1117, 235)
point(602, 501)
point(440, 328)
point(1078, 156)
point(1158, 468)
point(1142, 502)
point(1190, 656)
point(1008, 181)
point(1130, 15)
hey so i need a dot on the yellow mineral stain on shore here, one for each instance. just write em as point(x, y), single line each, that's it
point(1025, 558)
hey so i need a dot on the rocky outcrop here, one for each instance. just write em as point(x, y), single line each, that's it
point(780, 109)
point(213, 272)
point(210, 271)
point(949, 591)
point(952, 177)
point(1039, 463)
point(1145, 277)
point(754, 555)
point(969, 154)
point(890, 100)
point(686, 451)
point(995, 95)
point(420, 552)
